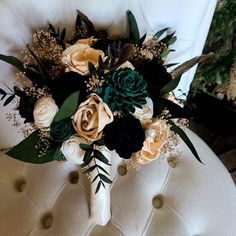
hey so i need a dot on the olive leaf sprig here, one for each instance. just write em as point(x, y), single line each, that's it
point(92, 155)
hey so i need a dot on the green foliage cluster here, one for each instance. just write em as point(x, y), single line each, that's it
point(221, 40)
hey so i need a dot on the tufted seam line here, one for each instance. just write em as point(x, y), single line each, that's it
point(113, 182)
point(90, 229)
point(183, 219)
point(145, 17)
point(119, 10)
point(58, 193)
point(57, 10)
point(117, 226)
point(19, 18)
point(30, 198)
point(165, 180)
point(148, 222)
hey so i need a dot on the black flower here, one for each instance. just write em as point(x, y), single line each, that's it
point(125, 135)
point(70, 82)
point(125, 90)
point(156, 76)
point(26, 108)
point(61, 130)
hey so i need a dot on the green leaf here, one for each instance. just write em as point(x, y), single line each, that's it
point(68, 108)
point(98, 155)
point(86, 147)
point(102, 169)
point(175, 128)
point(133, 28)
point(175, 110)
point(42, 69)
point(105, 179)
point(92, 68)
point(171, 64)
point(140, 43)
point(99, 142)
point(2, 91)
point(18, 91)
point(33, 75)
point(51, 27)
point(26, 151)
point(90, 169)
point(87, 157)
point(172, 40)
point(58, 156)
point(3, 96)
point(160, 32)
point(9, 100)
point(95, 178)
point(98, 186)
point(167, 38)
point(170, 86)
point(100, 62)
point(63, 34)
point(165, 53)
point(103, 185)
point(13, 61)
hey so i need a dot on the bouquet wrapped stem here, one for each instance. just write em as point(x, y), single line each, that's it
point(100, 211)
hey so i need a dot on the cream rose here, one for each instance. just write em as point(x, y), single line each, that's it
point(72, 151)
point(44, 112)
point(157, 134)
point(77, 56)
point(91, 117)
point(146, 112)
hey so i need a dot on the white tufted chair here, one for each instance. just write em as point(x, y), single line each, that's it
point(53, 199)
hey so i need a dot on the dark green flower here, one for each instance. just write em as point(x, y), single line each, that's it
point(61, 130)
point(124, 90)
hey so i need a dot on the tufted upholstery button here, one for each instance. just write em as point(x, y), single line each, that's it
point(20, 185)
point(47, 220)
point(74, 177)
point(157, 202)
point(122, 170)
point(173, 161)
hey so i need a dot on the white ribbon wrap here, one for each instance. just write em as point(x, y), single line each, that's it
point(100, 210)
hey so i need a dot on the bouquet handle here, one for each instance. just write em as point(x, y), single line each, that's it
point(100, 212)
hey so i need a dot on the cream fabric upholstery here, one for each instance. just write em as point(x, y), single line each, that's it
point(53, 199)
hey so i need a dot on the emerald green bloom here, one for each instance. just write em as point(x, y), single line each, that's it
point(124, 90)
point(61, 130)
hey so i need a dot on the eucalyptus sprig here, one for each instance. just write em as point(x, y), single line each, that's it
point(91, 158)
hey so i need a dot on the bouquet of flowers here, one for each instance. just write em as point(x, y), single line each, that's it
point(88, 94)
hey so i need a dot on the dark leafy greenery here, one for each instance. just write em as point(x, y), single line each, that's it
point(59, 36)
point(68, 108)
point(185, 138)
point(176, 111)
point(31, 73)
point(93, 155)
point(170, 86)
point(26, 151)
point(133, 28)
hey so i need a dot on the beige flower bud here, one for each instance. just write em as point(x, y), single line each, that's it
point(77, 57)
point(44, 112)
point(146, 112)
point(72, 151)
point(157, 133)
